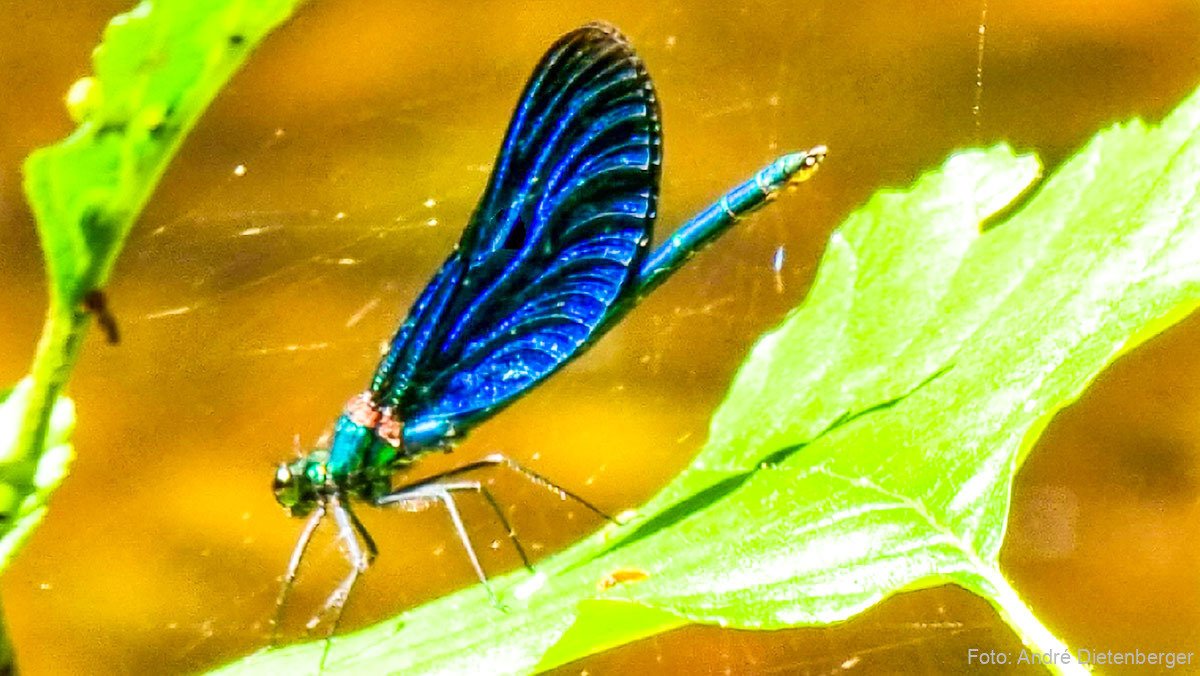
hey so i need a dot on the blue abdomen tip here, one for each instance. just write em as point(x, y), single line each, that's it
point(796, 167)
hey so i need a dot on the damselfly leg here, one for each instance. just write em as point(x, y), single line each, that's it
point(418, 496)
point(360, 555)
point(360, 547)
point(293, 568)
point(350, 529)
point(499, 459)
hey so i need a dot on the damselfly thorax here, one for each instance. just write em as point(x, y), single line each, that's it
point(369, 444)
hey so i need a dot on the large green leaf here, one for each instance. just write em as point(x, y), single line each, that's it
point(869, 443)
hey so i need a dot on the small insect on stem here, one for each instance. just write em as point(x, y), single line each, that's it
point(96, 303)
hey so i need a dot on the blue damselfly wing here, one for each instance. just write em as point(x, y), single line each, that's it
point(556, 241)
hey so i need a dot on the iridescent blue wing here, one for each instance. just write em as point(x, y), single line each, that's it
point(554, 244)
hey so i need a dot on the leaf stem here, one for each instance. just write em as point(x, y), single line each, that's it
point(1033, 633)
point(58, 348)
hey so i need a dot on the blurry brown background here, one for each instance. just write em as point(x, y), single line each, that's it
point(252, 306)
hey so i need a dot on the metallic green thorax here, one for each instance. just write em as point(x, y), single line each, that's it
point(360, 463)
point(356, 447)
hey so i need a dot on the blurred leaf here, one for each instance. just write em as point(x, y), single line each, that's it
point(156, 71)
point(869, 443)
point(26, 482)
point(157, 68)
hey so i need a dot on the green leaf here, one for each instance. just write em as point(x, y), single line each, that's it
point(27, 481)
point(869, 443)
point(155, 72)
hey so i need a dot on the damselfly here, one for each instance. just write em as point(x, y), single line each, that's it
point(556, 253)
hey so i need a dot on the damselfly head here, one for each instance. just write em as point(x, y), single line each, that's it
point(298, 484)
